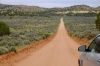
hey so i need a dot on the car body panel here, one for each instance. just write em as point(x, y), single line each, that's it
point(90, 59)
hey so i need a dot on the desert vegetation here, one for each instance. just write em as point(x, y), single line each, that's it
point(24, 30)
point(4, 29)
point(98, 22)
point(81, 26)
point(20, 24)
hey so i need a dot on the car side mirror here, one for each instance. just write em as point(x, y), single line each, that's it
point(82, 48)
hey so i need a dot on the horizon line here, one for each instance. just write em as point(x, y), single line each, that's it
point(52, 6)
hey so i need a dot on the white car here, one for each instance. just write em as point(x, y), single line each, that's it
point(90, 56)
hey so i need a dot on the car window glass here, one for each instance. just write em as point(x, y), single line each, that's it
point(97, 48)
point(92, 45)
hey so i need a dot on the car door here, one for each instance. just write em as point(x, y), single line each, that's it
point(93, 55)
point(93, 59)
point(84, 60)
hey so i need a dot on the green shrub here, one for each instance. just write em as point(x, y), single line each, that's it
point(46, 35)
point(13, 49)
point(4, 29)
point(3, 50)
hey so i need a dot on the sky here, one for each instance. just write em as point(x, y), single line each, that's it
point(52, 3)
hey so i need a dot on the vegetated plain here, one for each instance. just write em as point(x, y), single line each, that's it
point(81, 26)
point(31, 23)
point(26, 29)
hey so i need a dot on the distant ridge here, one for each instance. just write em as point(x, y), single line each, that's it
point(21, 7)
point(98, 8)
point(74, 9)
point(80, 8)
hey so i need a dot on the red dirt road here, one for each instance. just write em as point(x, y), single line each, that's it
point(61, 51)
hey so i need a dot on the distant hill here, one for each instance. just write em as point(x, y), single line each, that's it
point(21, 8)
point(98, 8)
point(35, 10)
point(2, 6)
point(80, 8)
point(77, 9)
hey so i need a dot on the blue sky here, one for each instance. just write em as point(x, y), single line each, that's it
point(52, 3)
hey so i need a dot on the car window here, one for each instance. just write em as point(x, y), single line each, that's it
point(97, 48)
point(92, 45)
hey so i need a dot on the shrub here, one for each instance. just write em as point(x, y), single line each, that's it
point(46, 35)
point(4, 29)
point(3, 50)
point(13, 49)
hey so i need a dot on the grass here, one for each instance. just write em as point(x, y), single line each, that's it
point(25, 30)
point(81, 27)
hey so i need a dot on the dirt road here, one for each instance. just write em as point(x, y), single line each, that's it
point(61, 51)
